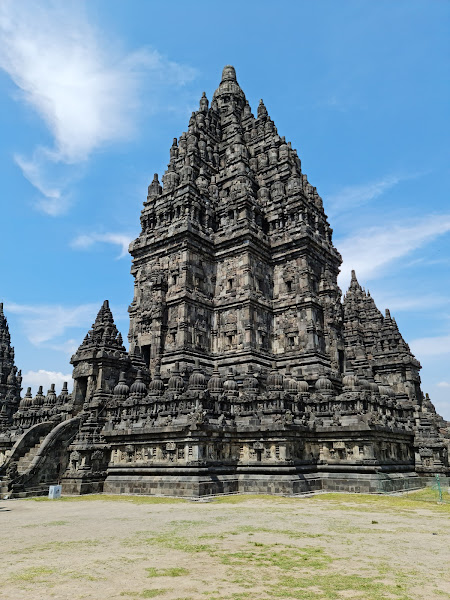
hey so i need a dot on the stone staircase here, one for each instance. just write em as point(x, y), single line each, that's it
point(3, 487)
point(44, 444)
point(23, 465)
point(26, 460)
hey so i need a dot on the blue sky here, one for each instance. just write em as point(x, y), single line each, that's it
point(91, 95)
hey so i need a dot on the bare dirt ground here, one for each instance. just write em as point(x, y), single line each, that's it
point(326, 547)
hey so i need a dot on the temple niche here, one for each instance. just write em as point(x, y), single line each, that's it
point(246, 370)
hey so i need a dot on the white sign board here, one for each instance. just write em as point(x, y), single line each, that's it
point(54, 491)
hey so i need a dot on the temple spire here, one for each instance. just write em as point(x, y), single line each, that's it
point(262, 110)
point(104, 333)
point(229, 90)
point(154, 189)
point(354, 284)
point(229, 73)
point(204, 103)
point(10, 379)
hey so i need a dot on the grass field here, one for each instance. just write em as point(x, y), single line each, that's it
point(324, 547)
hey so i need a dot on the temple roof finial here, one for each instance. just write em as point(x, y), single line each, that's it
point(154, 189)
point(262, 110)
point(229, 90)
point(354, 284)
point(229, 73)
point(204, 103)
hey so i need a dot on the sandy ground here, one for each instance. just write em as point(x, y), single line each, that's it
point(319, 548)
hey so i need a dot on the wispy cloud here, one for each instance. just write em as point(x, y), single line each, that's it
point(412, 302)
point(45, 378)
point(67, 347)
point(443, 384)
point(422, 261)
point(372, 249)
point(85, 241)
point(44, 325)
point(50, 182)
point(47, 322)
point(352, 196)
point(431, 346)
point(85, 90)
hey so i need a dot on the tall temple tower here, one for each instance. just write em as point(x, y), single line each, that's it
point(235, 263)
point(10, 379)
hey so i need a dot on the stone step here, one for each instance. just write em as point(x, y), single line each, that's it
point(3, 487)
point(28, 455)
point(39, 490)
point(26, 460)
point(22, 467)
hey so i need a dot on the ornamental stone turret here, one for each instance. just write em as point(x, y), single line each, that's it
point(100, 359)
point(375, 347)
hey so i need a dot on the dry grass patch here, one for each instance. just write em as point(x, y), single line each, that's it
point(426, 498)
point(327, 547)
point(112, 498)
point(169, 572)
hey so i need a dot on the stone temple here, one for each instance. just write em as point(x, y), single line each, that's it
point(246, 371)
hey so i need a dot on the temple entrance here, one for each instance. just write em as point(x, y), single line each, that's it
point(146, 353)
point(80, 390)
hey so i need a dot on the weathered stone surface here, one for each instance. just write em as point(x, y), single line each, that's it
point(10, 388)
point(246, 372)
point(10, 378)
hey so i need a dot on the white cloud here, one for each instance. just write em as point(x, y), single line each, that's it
point(410, 303)
point(443, 384)
point(45, 378)
point(67, 347)
point(370, 250)
point(356, 195)
point(85, 241)
point(83, 87)
point(46, 322)
point(48, 181)
point(422, 261)
point(431, 346)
